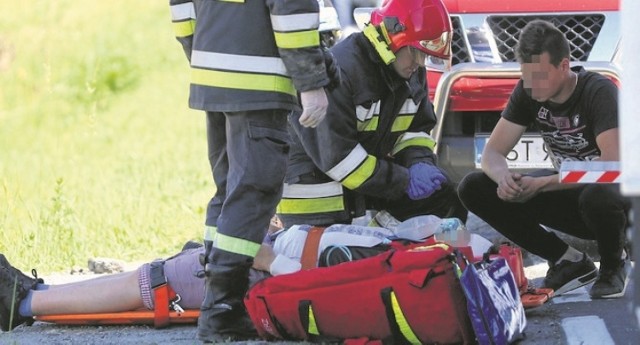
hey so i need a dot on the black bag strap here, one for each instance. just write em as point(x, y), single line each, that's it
point(309, 324)
point(398, 324)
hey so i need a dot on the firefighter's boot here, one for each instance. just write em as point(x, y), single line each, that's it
point(223, 316)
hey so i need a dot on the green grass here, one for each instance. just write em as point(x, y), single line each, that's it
point(99, 153)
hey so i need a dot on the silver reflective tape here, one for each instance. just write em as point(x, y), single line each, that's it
point(183, 11)
point(242, 63)
point(348, 164)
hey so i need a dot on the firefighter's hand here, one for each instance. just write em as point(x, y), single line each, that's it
point(424, 180)
point(314, 107)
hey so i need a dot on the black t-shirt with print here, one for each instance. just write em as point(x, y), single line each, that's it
point(569, 129)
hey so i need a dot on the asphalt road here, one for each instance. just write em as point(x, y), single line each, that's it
point(566, 320)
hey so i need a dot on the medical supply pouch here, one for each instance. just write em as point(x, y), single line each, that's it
point(529, 296)
point(493, 300)
point(400, 296)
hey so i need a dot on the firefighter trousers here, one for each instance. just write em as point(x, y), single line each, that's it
point(248, 156)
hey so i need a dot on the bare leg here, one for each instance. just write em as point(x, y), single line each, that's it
point(114, 293)
point(90, 281)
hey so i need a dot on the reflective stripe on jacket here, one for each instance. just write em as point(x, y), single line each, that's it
point(249, 54)
point(377, 125)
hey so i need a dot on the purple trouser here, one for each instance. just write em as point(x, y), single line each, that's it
point(181, 271)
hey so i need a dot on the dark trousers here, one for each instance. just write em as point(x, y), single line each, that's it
point(248, 156)
point(590, 211)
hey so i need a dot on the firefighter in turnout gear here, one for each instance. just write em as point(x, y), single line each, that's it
point(374, 150)
point(249, 59)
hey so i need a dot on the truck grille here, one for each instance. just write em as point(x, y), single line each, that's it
point(459, 52)
point(581, 30)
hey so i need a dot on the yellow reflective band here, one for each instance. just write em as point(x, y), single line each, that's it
point(313, 327)
point(300, 39)
point(185, 28)
point(307, 206)
point(368, 126)
point(417, 141)
point(364, 171)
point(379, 44)
point(237, 245)
point(242, 81)
point(401, 123)
point(401, 320)
point(210, 232)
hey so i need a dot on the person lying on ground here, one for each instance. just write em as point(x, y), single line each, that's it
point(280, 253)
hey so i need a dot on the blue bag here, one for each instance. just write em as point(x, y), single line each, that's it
point(493, 302)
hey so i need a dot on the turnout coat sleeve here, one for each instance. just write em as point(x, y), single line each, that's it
point(372, 162)
point(295, 26)
point(250, 54)
point(183, 19)
point(334, 148)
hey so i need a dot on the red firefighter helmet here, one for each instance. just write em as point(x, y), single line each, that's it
point(423, 24)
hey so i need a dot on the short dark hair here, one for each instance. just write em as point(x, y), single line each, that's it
point(540, 36)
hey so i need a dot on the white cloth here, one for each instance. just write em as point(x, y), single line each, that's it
point(283, 265)
point(290, 243)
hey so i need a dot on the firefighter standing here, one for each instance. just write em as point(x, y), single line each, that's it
point(374, 150)
point(248, 58)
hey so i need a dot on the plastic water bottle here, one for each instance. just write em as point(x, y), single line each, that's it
point(454, 232)
point(450, 225)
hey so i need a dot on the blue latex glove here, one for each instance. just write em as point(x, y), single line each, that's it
point(424, 180)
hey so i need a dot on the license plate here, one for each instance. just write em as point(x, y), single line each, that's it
point(529, 153)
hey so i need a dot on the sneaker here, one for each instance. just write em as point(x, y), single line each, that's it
point(14, 286)
point(611, 282)
point(23, 278)
point(568, 275)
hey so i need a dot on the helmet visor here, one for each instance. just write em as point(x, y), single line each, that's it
point(440, 47)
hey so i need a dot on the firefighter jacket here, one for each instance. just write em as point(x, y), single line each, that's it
point(249, 54)
point(377, 125)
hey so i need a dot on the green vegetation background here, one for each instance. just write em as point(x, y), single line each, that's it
point(99, 153)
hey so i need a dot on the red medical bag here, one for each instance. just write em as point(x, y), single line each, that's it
point(399, 296)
